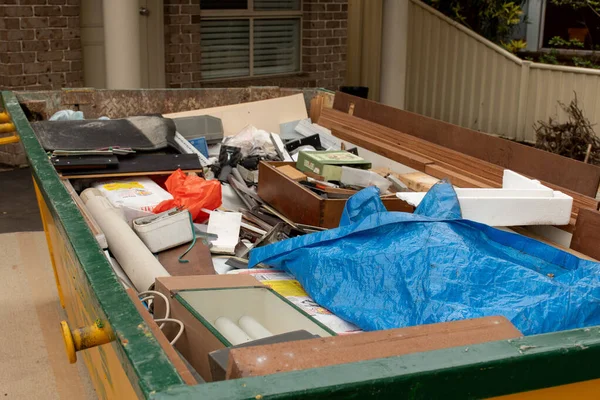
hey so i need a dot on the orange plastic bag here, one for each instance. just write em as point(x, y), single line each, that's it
point(192, 193)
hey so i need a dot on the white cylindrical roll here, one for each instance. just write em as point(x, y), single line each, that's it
point(253, 328)
point(231, 331)
point(137, 261)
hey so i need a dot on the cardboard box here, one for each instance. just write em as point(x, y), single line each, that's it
point(302, 205)
point(328, 163)
point(198, 301)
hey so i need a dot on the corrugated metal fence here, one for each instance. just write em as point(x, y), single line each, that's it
point(460, 77)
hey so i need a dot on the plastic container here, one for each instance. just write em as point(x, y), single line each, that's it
point(165, 230)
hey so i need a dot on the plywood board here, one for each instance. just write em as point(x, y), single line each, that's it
point(264, 114)
point(565, 172)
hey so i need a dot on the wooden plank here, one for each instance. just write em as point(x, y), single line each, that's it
point(264, 114)
point(571, 174)
point(97, 176)
point(178, 363)
point(586, 237)
point(521, 230)
point(455, 178)
point(418, 181)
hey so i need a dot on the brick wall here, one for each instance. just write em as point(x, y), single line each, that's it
point(40, 44)
point(323, 42)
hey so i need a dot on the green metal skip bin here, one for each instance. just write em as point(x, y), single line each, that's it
point(125, 359)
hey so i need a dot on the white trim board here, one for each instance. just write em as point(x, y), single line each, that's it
point(520, 201)
point(263, 114)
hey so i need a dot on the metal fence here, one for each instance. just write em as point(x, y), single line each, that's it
point(460, 77)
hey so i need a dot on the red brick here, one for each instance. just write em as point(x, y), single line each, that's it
point(313, 25)
point(310, 33)
point(57, 22)
point(35, 45)
point(179, 78)
point(325, 50)
point(17, 11)
point(315, 59)
point(313, 42)
point(21, 80)
point(196, 57)
point(309, 67)
point(37, 68)
point(314, 7)
point(74, 44)
point(193, 28)
point(70, 11)
point(73, 55)
point(173, 49)
point(177, 19)
point(73, 2)
point(47, 11)
point(71, 33)
point(9, 23)
point(195, 38)
point(191, 67)
point(59, 44)
point(181, 39)
point(340, 33)
point(172, 29)
point(33, 2)
point(50, 56)
point(340, 15)
point(61, 66)
point(3, 49)
point(54, 79)
point(335, 41)
point(332, 57)
point(14, 69)
point(332, 24)
point(34, 22)
point(323, 67)
point(77, 65)
point(325, 33)
point(178, 58)
point(339, 49)
point(325, 16)
point(343, 41)
point(74, 78)
point(344, 24)
point(15, 47)
point(57, 2)
point(73, 22)
point(7, 2)
point(51, 34)
point(334, 7)
point(171, 10)
point(17, 58)
point(20, 34)
point(190, 10)
point(338, 65)
point(310, 51)
point(173, 68)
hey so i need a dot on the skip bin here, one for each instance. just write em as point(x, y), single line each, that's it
point(125, 360)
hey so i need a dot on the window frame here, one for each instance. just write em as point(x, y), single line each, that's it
point(250, 14)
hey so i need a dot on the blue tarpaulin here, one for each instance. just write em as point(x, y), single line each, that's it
point(383, 270)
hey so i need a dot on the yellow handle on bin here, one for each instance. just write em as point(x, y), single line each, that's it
point(85, 338)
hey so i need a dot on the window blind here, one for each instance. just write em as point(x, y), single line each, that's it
point(276, 46)
point(225, 48)
point(272, 5)
point(223, 4)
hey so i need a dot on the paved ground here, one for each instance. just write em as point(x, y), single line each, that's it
point(18, 206)
point(33, 359)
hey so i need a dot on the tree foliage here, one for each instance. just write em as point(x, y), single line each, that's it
point(493, 19)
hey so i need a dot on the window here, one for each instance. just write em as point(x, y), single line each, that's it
point(249, 38)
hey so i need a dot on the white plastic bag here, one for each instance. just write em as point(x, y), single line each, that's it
point(140, 194)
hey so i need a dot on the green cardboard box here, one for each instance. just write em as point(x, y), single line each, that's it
point(328, 163)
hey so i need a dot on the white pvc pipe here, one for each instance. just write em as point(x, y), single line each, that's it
point(122, 44)
point(253, 328)
point(137, 261)
point(231, 331)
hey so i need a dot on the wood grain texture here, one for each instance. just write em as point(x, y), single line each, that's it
point(586, 237)
point(302, 205)
point(180, 366)
point(565, 172)
point(314, 353)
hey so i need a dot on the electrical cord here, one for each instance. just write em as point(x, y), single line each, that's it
point(154, 292)
point(181, 327)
